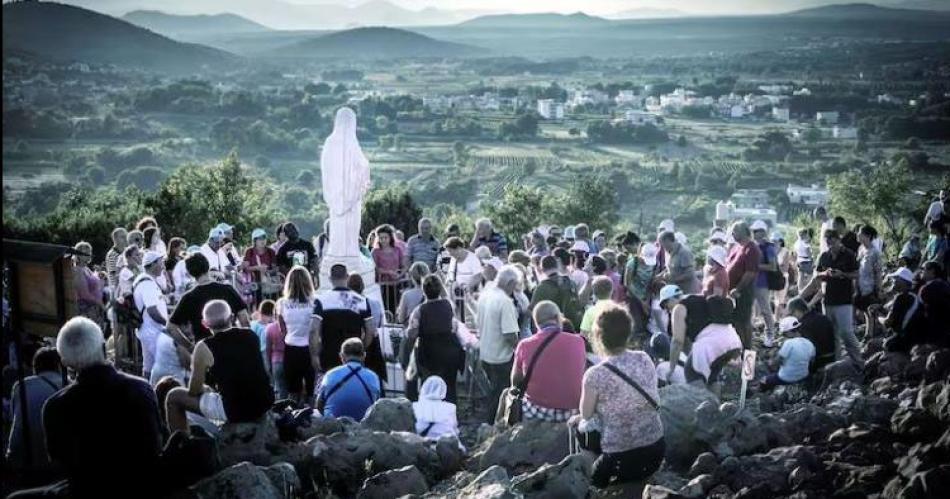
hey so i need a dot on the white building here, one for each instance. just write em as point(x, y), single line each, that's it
point(737, 111)
point(549, 109)
point(728, 211)
point(628, 98)
point(813, 195)
point(888, 99)
point(828, 117)
point(802, 91)
point(775, 89)
point(780, 113)
point(636, 117)
point(844, 133)
point(586, 97)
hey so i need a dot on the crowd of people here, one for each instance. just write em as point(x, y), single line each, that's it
point(569, 327)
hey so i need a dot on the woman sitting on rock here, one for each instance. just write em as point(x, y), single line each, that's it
point(621, 394)
point(434, 416)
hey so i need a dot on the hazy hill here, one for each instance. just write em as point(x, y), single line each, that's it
point(182, 26)
point(862, 11)
point(66, 33)
point(537, 21)
point(648, 13)
point(373, 43)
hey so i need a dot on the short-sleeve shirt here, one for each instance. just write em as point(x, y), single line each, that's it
point(351, 399)
point(838, 291)
point(495, 242)
point(275, 342)
point(642, 276)
point(628, 420)
point(343, 315)
point(869, 268)
point(461, 272)
point(147, 294)
point(769, 255)
point(299, 252)
point(389, 262)
point(587, 322)
point(216, 260)
point(496, 317)
point(682, 269)
point(743, 257)
point(556, 380)
point(253, 258)
point(423, 250)
point(298, 317)
point(193, 303)
point(796, 355)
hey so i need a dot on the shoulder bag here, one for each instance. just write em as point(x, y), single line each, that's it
point(513, 398)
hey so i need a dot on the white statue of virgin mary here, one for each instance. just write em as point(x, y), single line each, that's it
point(345, 173)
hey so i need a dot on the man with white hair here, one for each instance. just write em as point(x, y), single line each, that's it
point(424, 247)
point(497, 321)
point(241, 391)
point(485, 235)
point(80, 437)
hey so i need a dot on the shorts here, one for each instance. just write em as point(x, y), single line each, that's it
point(211, 406)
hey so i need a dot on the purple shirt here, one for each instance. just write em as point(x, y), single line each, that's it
point(769, 255)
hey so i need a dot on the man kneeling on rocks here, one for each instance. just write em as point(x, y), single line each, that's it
point(796, 355)
point(350, 389)
point(230, 361)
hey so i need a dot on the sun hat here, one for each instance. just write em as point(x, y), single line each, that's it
point(648, 253)
point(669, 291)
point(902, 273)
point(717, 254)
point(788, 324)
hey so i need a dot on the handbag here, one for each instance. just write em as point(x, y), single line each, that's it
point(513, 398)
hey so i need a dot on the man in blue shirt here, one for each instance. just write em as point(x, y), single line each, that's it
point(349, 389)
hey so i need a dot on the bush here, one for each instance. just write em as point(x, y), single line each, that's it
point(390, 205)
point(146, 178)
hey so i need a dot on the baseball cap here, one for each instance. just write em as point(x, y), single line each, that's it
point(193, 249)
point(759, 225)
point(666, 226)
point(648, 253)
point(580, 246)
point(224, 227)
point(902, 273)
point(151, 257)
point(717, 254)
point(215, 233)
point(787, 324)
point(669, 291)
point(258, 233)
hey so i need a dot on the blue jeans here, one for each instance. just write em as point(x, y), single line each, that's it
point(280, 391)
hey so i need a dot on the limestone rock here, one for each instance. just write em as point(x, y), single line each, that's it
point(241, 481)
point(525, 447)
point(678, 405)
point(885, 363)
point(390, 415)
point(285, 478)
point(844, 370)
point(493, 483)
point(660, 492)
point(394, 483)
point(704, 463)
point(938, 365)
point(568, 478)
point(915, 424)
point(251, 442)
point(698, 486)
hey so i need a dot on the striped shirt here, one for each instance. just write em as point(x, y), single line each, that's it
point(112, 269)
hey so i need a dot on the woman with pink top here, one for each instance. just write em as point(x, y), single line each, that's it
point(88, 285)
point(389, 266)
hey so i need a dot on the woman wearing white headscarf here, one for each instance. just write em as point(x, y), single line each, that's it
point(345, 173)
point(434, 416)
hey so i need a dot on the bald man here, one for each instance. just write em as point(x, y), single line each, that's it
point(241, 390)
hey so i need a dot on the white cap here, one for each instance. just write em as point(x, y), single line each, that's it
point(902, 273)
point(151, 257)
point(680, 238)
point(666, 226)
point(717, 254)
point(648, 253)
point(580, 246)
point(717, 235)
point(759, 225)
point(670, 291)
point(787, 324)
point(776, 236)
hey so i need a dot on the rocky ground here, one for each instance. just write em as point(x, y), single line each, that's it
point(883, 432)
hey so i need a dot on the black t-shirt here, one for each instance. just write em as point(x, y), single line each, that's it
point(238, 374)
point(819, 330)
point(850, 241)
point(301, 248)
point(839, 290)
point(193, 303)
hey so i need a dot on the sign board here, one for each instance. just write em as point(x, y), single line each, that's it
point(748, 365)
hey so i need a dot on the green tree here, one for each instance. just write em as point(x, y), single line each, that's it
point(306, 178)
point(516, 211)
point(590, 198)
point(392, 205)
point(880, 196)
point(145, 178)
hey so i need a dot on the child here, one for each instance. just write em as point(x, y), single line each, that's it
point(274, 358)
point(263, 317)
point(796, 356)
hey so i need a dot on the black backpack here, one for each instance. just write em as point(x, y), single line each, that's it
point(127, 312)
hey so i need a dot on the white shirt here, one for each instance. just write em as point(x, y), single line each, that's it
point(181, 277)
point(580, 278)
point(802, 252)
point(147, 294)
point(462, 272)
point(439, 412)
point(215, 260)
point(796, 354)
point(166, 361)
point(126, 276)
point(297, 317)
point(934, 211)
point(496, 316)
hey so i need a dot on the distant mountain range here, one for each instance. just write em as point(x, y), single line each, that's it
point(647, 13)
point(183, 26)
point(857, 11)
point(66, 33)
point(372, 43)
point(547, 20)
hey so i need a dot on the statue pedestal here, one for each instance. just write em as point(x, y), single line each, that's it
point(355, 264)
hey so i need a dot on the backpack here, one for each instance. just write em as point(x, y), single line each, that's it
point(568, 300)
point(127, 312)
point(775, 279)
